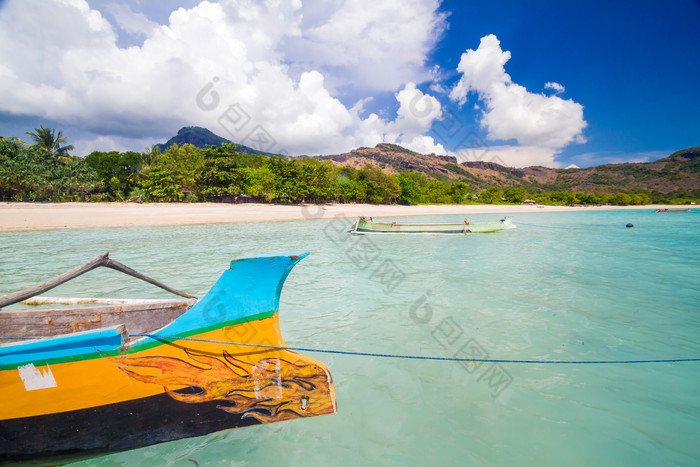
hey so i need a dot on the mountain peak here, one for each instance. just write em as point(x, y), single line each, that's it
point(195, 135)
point(201, 138)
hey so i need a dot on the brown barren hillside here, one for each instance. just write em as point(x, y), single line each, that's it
point(678, 172)
point(394, 159)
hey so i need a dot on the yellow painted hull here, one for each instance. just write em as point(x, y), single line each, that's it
point(97, 382)
point(215, 367)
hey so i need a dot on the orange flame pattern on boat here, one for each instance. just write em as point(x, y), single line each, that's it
point(271, 390)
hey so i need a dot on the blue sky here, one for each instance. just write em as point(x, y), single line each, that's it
point(634, 66)
point(519, 83)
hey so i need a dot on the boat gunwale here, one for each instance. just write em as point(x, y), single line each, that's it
point(150, 340)
point(129, 341)
point(386, 223)
point(97, 307)
point(138, 344)
point(377, 232)
point(365, 226)
point(361, 220)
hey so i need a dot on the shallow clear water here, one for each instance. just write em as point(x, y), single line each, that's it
point(562, 286)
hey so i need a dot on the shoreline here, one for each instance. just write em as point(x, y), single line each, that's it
point(22, 217)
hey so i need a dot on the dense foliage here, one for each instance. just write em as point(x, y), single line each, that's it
point(45, 172)
point(32, 173)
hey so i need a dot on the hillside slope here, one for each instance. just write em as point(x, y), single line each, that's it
point(679, 172)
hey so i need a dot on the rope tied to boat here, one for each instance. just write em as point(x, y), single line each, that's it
point(419, 357)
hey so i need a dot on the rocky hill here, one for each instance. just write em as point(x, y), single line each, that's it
point(201, 137)
point(680, 172)
point(392, 158)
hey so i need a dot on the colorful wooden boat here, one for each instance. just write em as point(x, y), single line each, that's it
point(365, 226)
point(123, 376)
point(673, 210)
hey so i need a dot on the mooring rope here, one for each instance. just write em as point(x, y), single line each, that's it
point(419, 357)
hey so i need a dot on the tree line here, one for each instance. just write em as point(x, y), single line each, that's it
point(44, 171)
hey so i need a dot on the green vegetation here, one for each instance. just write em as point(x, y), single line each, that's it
point(44, 171)
point(117, 171)
point(49, 141)
point(34, 173)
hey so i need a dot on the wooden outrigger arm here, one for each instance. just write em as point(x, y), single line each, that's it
point(97, 261)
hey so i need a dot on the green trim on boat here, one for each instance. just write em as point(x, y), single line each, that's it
point(138, 347)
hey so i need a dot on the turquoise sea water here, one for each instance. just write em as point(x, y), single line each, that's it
point(562, 286)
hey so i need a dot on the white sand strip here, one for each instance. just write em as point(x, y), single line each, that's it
point(53, 216)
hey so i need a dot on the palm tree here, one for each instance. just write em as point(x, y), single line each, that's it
point(48, 139)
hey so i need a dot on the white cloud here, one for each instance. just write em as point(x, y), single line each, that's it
point(438, 88)
point(532, 119)
point(271, 60)
point(511, 112)
point(508, 156)
point(591, 159)
point(424, 145)
point(109, 143)
point(415, 116)
point(417, 111)
point(367, 44)
point(556, 87)
point(524, 156)
point(436, 80)
point(481, 69)
point(129, 21)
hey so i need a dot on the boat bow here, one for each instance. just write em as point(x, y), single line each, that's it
point(217, 365)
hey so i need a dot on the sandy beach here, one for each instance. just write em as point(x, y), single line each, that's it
point(39, 216)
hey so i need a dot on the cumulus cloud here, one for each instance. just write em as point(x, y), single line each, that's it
point(416, 114)
point(510, 110)
point(423, 145)
point(366, 44)
point(417, 111)
point(481, 69)
point(236, 67)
